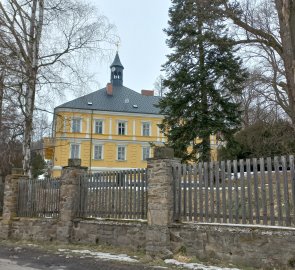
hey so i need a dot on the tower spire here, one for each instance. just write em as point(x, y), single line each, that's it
point(117, 71)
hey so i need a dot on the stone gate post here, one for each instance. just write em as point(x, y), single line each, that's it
point(69, 198)
point(10, 201)
point(160, 202)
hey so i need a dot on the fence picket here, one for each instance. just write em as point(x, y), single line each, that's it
point(224, 214)
point(270, 190)
point(286, 192)
point(206, 192)
point(263, 191)
point(189, 171)
point(249, 189)
point(292, 172)
point(229, 191)
point(278, 191)
point(256, 194)
point(211, 173)
point(236, 183)
point(217, 182)
point(201, 185)
point(195, 183)
point(243, 198)
point(134, 193)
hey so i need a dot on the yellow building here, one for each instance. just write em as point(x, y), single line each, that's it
point(111, 128)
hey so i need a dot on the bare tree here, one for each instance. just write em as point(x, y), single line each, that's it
point(48, 38)
point(267, 30)
point(159, 86)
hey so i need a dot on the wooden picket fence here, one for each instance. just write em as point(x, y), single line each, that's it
point(256, 191)
point(114, 194)
point(38, 198)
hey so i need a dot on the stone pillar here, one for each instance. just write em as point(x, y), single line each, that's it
point(160, 202)
point(1, 192)
point(69, 198)
point(10, 201)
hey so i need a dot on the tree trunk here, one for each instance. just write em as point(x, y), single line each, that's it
point(36, 23)
point(1, 99)
point(28, 129)
point(286, 13)
point(205, 151)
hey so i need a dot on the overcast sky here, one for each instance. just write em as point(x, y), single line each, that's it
point(142, 51)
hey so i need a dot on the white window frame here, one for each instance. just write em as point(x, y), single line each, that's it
point(144, 148)
point(102, 148)
point(80, 124)
point(125, 127)
point(102, 126)
point(142, 128)
point(125, 150)
point(79, 150)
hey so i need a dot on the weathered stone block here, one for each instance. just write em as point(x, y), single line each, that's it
point(163, 152)
point(74, 162)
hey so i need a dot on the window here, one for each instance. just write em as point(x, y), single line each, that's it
point(75, 150)
point(76, 125)
point(146, 129)
point(98, 126)
point(145, 152)
point(122, 128)
point(121, 152)
point(97, 153)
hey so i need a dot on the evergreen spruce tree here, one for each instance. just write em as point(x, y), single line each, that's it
point(202, 75)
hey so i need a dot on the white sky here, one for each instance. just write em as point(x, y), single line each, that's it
point(143, 49)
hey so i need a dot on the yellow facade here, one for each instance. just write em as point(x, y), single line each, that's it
point(113, 128)
point(133, 140)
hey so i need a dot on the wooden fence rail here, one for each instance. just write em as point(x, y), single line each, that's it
point(256, 191)
point(38, 198)
point(114, 194)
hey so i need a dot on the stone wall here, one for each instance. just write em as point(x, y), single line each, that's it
point(116, 233)
point(1, 193)
point(251, 246)
point(33, 229)
point(254, 246)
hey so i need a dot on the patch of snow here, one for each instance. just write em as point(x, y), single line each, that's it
point(101, 255)
point(196, 266)
point(32, 245)
point(244, 225)
point(6, 264)
point(41, 177)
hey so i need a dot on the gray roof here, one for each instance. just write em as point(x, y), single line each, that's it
point(117, 61)
point(122, 100)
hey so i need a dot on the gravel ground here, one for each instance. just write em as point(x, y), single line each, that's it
point(29, 258)
point(32, 257)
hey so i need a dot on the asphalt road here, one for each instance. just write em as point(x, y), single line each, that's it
point(28, 258)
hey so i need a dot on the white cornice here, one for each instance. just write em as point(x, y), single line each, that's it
point(94, 140)
point(109, 113)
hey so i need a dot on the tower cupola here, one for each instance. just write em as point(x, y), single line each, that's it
point(117, 71)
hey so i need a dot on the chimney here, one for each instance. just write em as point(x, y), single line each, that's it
point(147, 92)
point(109, 89)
